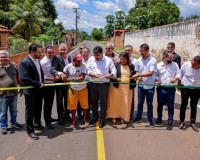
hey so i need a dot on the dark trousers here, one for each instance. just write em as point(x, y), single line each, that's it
point(48, 96)
point(148, 93)
point(166, 95)
point(33, 111)
point(193, 94)
point(61, 99)
point(132, 104)
point(99, 92)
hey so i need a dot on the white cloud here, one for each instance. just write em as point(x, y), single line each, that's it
point(67, 4)
point(125, 5)
point(107, 6)
point(83, 1)
point(192, 2)
point(188, 7)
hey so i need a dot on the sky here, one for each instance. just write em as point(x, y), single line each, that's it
point(92, 13)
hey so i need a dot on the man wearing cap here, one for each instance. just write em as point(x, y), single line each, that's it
point(76, 72)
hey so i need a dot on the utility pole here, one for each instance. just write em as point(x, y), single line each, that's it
point(76, 19)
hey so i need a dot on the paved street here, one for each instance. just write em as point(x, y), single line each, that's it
point(120, 141)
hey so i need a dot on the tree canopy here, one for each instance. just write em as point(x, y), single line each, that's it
point(151, 13)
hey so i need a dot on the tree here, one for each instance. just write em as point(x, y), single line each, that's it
point(193, 16)
point(4, 18)
point(119, 21)
point(150, 13)
point(97, 34)
point(28, 17)
point(50, 9)
point(109, 28)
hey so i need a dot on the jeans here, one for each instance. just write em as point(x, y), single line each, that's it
point(5, 102)
point(148, 93)
point(166, 95)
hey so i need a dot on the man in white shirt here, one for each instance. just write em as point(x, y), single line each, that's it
point(190, 77)
point(145, 68)
point(129, 49)
point(166, 75)
point(100, 66)
point(48, 91)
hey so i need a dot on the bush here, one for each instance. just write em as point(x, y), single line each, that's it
point(42, 37)
point(16, 44)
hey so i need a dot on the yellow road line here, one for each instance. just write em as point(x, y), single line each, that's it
point(100, 143)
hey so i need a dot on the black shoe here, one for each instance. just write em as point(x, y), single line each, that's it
point(102, 123)
point(40, 127)
point(67, 117)
point(61, 121)
point(16, 125)
point(137, 120)
point(94, 120)
point(53, 119)
point(181, 125)
point(33, 136)
point(4, 130)
point(50, 126)
point(79, 116)
point(158, 121)
point(194, 127)
point(151, 124)
point(169, 127)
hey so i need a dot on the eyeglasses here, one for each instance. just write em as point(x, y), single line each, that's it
point(108, 48)
point(127, 50)
point(3, 57)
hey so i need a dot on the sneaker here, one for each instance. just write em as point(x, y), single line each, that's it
point(169, 127)
point(16, 125)
point(158, 121)
point(151, 124)
point(4, 130)
point(137, 120)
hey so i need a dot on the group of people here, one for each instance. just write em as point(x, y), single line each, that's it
point(102, 80)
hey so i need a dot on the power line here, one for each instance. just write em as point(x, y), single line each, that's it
point(76, 19)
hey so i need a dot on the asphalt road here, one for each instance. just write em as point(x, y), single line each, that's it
point(120, 141)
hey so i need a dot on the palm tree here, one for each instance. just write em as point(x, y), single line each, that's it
point(28, 17)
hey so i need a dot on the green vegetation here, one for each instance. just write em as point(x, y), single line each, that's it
point(145, 14)
point(33, 20)
point(17, 44)
point(97, 34)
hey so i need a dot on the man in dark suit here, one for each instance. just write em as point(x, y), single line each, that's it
point(176, 57)
point(58, 64)
point(31, 74)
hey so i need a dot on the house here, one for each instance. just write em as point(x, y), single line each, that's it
point(4, 34)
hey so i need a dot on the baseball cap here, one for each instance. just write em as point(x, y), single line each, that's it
point(77, 56)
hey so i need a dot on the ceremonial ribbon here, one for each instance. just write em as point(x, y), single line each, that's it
point(96, 80)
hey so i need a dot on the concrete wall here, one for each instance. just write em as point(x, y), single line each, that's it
point(186, 36)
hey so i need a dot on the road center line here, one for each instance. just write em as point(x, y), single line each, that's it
point(100, 143)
